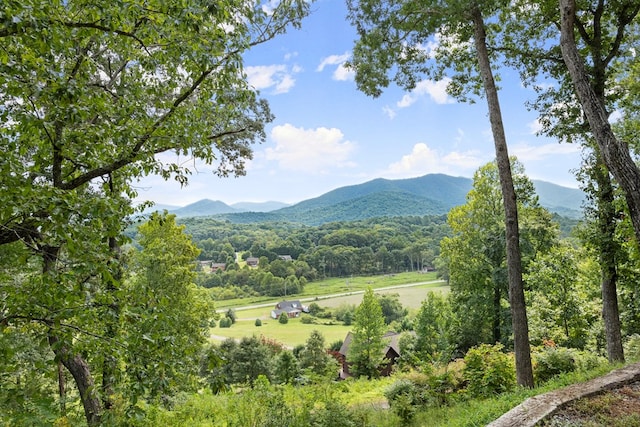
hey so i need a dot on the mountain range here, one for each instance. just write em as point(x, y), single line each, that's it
point(433, 194)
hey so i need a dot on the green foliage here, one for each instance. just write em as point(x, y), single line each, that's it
point(403, 396)
point(283, 318)
point(392, 309)
point(286, 369)
point(258, 322)
point(170, 315)
point(225, 322)
point(632, 348)
point(553, 361)
point(314, 356)
point(565, 297)
point(366, 350)
point(117, 85)
point(475, 258)
point(433, 326)
point(231, 314)
point(488, 371)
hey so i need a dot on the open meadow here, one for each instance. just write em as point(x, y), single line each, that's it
point(410, 294)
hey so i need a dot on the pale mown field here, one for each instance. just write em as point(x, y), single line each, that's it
point(295, 332)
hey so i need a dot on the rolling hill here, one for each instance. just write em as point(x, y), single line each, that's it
point(433, 194)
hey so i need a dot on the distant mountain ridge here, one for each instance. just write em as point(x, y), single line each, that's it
point(433, 194)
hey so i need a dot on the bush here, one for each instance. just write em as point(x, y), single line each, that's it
point(488, 371)
point(284, 319)
point(258, 322)
point(225, 322)
point(553, 361)
point(403, 398)
point(231, 314)
point(632, 348)
point(307, 320)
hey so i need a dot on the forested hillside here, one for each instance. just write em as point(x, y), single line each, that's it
point(433, 194)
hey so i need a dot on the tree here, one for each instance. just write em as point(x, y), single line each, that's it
point(392, 309)
point(434, 330)
point(90, 96)
point(564, 300)
point(615, 153)
point(314, 356)
point(602, 32)
point(395, 33)
point(286, 369)
point(475, 254)
point(249, 360)
point(167, 315)
point(366, 350)
point(283, 318)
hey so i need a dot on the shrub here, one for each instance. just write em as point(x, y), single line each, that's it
point(307, 320)
point(231, 314)
point(284, 319)
point(258, 322)
point(632, 348)
point(488, 371)
point(403, 398)
point(314, 309)
point(225, 322)
point(553, 361)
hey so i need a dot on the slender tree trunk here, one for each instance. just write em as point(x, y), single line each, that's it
point(615, 153)
point(522, 349)
point(75, 364)
point(61, 390)
point(608, 260)
point(79, 369)
point(497, 312)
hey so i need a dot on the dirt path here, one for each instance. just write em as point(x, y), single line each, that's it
point(533, 410)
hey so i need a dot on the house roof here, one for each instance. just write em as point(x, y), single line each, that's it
point(392, 339)
point(289, 305)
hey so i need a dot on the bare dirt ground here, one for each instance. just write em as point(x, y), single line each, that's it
point(614, 408)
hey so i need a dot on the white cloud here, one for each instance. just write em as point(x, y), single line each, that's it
point(278, 77)
point(333, 60)
point(437, 91)
point(341, 73)
point(527, 153)
point(315, 151)
point(424, 160)
point(390, 112)
point(535, 127)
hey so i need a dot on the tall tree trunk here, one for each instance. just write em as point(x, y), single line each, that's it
point(79, 369)
point(522, 349)
point(590, 89)
point(608, 260)
point(615, 153)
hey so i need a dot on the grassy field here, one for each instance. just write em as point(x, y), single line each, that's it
point(324, 288)
point(295, 332)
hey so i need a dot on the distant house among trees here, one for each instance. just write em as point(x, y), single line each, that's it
point(291, 308)
point(215, 266)
point(285, 257)
point(253, 261)
point(391, 354)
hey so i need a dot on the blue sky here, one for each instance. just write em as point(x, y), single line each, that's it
point(327, 134)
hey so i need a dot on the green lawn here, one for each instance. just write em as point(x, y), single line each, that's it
point(291, 334)
point(295, 332)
